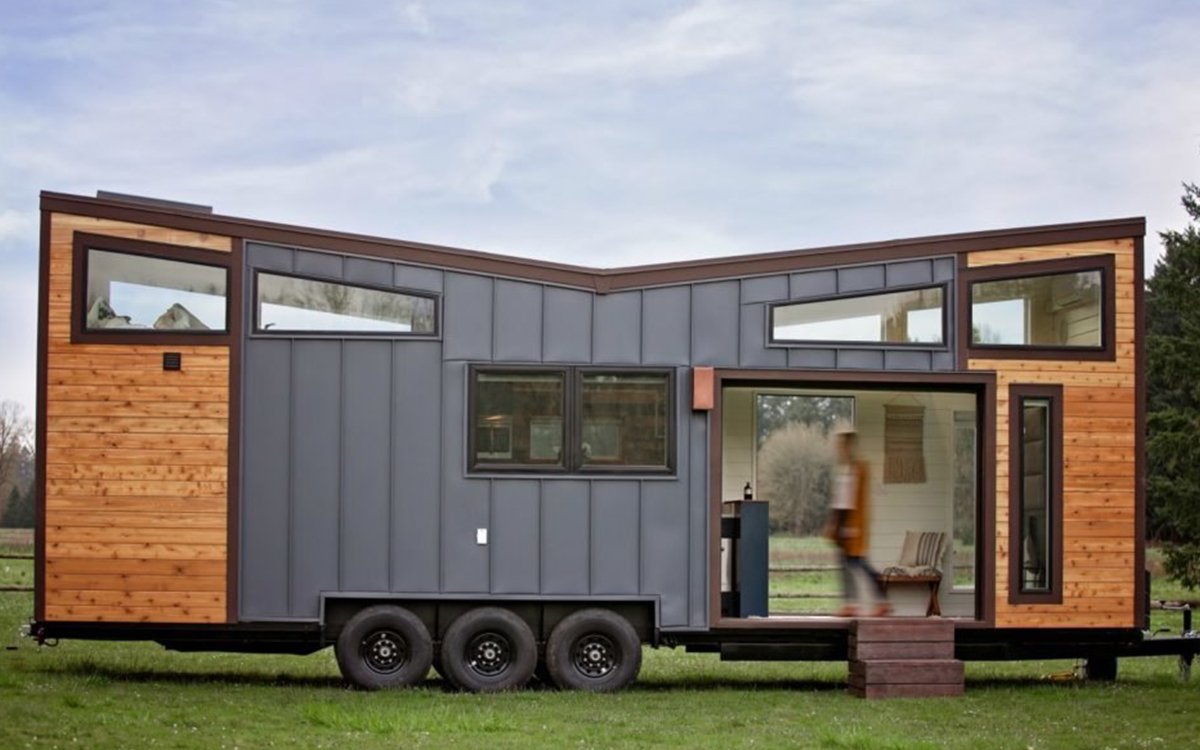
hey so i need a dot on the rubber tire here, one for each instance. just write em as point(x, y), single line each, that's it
point(587, 622)
point(475, 622)
point(1101, 668)
point(408, 626)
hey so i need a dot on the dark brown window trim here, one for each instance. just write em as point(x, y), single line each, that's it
point(572, 461)
point(944, 345)
point(1104, 263)
point(1017, 393)
point(257, 331)
point(84, 241)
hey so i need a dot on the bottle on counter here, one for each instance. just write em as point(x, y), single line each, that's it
point(747, 492)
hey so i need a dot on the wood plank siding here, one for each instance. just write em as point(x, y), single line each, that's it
point(1099, 460)
point(136, 461)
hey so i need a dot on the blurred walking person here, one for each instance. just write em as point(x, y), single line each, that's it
point(848, 527)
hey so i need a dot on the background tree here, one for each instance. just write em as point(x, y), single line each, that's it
point(1173, 397)
point(795, 456)
point(794, 473)
point(15, 452)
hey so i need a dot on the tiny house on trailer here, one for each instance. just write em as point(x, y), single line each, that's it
point(260, 437)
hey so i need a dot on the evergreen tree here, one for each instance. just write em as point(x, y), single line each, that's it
point(18, 514)
point(1173, 397)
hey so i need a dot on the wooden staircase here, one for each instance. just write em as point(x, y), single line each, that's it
point(899, 657)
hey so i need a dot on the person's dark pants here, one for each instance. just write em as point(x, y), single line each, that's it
point(851, 565)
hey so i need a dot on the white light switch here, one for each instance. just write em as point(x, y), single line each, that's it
point(481, 536)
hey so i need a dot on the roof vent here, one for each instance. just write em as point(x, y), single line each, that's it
point(143, 200)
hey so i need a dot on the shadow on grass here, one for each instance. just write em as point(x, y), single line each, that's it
point(105, 673)
point(706, 684)
point(95, 672)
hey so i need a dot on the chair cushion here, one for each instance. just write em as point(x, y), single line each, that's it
point(921, 549)
point(910, 571)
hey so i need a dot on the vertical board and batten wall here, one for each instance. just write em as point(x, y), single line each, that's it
point(356, 447)
point(1099, 460)
point(136, 461)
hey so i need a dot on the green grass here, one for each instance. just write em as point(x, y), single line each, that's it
point(122, 695)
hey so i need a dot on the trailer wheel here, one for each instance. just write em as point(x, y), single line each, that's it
point(1101, 667)
point(384, 646)
point(594, 650)
point(488, 650)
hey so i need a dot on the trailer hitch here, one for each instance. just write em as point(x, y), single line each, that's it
point(1185, 659)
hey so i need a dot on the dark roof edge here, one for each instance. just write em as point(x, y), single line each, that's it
point(601, 280)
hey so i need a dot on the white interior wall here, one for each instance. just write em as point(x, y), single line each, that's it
point(895, 508)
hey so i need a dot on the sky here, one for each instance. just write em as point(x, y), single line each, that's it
point(601, 133)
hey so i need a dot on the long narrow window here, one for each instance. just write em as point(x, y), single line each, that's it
point(536, 419)
point(915, 316)
point(139, 293)
point(291, 304)
point(1063, 308)
point(1035, 505)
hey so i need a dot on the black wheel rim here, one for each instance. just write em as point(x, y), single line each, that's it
point(595, 656)
point(384, 651)
point(489, 654)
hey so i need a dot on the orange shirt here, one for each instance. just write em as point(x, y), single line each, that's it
point(858, 522)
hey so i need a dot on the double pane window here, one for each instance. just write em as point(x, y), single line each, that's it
point(567, 419)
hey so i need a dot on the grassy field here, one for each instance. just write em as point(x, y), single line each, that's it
point(136, 695)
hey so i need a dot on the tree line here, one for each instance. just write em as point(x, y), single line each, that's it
point(16, 467)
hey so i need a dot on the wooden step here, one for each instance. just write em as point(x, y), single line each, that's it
point(891, 629)
point(907, 671)
point(872, 692)
point(900, 657)
point(900, 650)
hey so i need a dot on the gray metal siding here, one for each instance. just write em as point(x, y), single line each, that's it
point(565, 542)
point(714, 330)
point(567, 326)
point(617, 327)
point(517, 322)
point(266, 506)
point(516, 521)
point(615, 531)
point(666, 326)
point(467, 317)
point(366, 425)
point(316, 468)
point(354, 450)
point(465, 501)
point(416, 406)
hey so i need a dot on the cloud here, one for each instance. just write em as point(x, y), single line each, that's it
point(16, 225)
point(600, 133)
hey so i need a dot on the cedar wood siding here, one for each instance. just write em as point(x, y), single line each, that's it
point(1099, 479)
point(136, 461)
